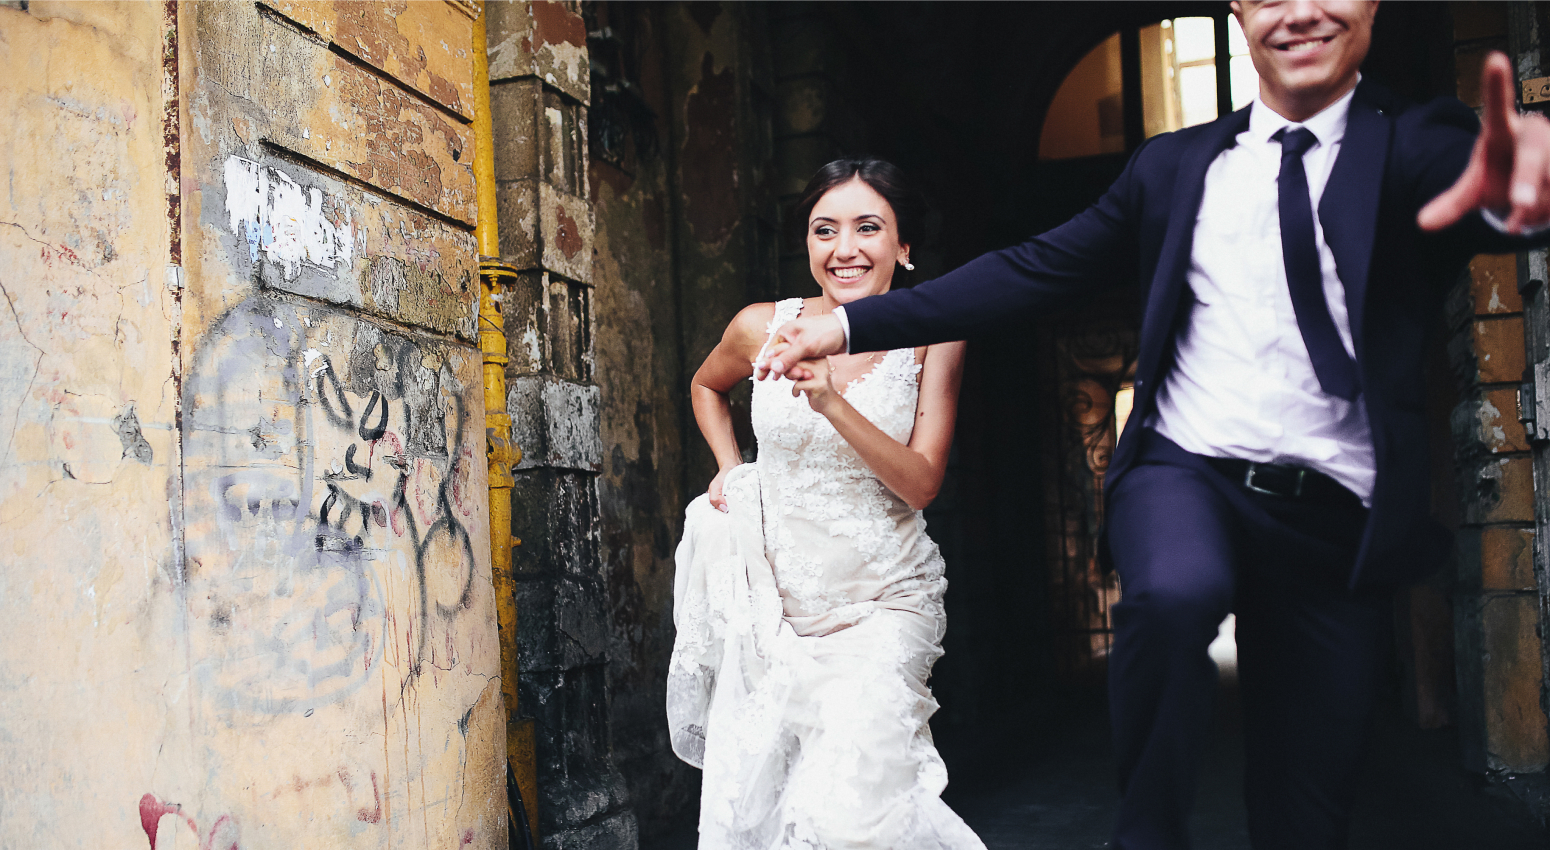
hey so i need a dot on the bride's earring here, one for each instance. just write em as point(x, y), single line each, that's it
point(909, 266)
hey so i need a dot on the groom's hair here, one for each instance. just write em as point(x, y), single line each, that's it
point(884, 177)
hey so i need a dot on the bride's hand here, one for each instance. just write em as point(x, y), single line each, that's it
point(718, 499)
point(819, 385)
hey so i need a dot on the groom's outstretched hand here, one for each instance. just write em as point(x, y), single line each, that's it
point(1509, 169)
point(804, 339)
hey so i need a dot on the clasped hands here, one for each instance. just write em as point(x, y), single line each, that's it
point(798, 353)
point(1508, 174)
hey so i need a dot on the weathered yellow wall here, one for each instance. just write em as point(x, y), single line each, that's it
point(244, 559)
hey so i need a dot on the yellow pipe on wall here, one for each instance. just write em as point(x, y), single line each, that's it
point(502, 455)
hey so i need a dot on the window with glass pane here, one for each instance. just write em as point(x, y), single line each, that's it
point(1179, 72)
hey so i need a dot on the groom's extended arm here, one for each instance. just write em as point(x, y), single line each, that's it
point(1091, 251)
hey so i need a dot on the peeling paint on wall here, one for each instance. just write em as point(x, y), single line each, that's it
point(243, 523)
point(287, 223)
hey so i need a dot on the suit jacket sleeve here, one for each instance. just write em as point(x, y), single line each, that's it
point(1444, 131)
point(1091, 251)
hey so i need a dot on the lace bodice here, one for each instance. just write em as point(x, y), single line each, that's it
point(837, 537)
point(808, 617)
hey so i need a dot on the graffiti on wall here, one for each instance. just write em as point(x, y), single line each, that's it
point(328, 493)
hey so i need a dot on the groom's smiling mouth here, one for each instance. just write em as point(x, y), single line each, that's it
point(849, 272)
point(1304, 44)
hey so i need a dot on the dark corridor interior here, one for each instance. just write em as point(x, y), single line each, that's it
point(957, 95)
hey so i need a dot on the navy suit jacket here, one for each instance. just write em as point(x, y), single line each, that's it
point(1394, 158)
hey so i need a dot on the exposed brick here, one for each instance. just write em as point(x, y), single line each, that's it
point(1506, 431)
point(1498, 489)
point(1515, 724)
point(1507, 558)
point(1498, 345)
point(1494, 284)
point(1486, 421)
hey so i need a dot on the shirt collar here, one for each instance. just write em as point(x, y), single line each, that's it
point(1328, 126)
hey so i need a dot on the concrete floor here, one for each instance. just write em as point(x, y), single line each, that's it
point(1414, 797)
point(1060, 791)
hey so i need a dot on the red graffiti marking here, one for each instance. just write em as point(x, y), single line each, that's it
point(468, 837)
point(151, 812)
point(363, 814)
point(224, 833)
point(373, 815)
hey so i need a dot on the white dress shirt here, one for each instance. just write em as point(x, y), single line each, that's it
point(1242, 384)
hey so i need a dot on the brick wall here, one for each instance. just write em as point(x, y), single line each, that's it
point(1496, 606)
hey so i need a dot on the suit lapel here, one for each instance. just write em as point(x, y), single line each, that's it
point(1348, 210)
point(1173, 258)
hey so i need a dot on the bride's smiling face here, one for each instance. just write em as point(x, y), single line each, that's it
point(853, 242)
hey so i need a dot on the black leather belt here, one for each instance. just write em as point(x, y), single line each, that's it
point(1283, 479)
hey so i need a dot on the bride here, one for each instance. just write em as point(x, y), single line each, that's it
point(808, 598)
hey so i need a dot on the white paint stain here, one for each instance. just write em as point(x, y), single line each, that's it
point(1496, 305)
point(310, 355)
point(571, 61)
point(285, 221)
point(1490, 415)
point(534, 347)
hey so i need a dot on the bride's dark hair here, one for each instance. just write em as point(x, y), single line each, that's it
point(884, 177)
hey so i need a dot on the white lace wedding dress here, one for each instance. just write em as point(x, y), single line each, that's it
point(808, 618)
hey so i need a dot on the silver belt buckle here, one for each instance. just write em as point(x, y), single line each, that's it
point(1248, 481)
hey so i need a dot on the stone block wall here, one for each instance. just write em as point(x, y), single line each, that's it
point(540, 94)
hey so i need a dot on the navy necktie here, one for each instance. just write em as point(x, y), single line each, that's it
point(1304, 279)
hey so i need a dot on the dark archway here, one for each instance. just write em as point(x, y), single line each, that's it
point(957, 95)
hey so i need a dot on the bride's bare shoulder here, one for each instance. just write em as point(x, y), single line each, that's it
point(750, 325)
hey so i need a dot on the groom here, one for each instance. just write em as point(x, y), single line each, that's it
point(1290, 257)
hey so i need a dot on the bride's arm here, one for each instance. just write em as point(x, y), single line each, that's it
point(729, 362)
point(914, 471)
